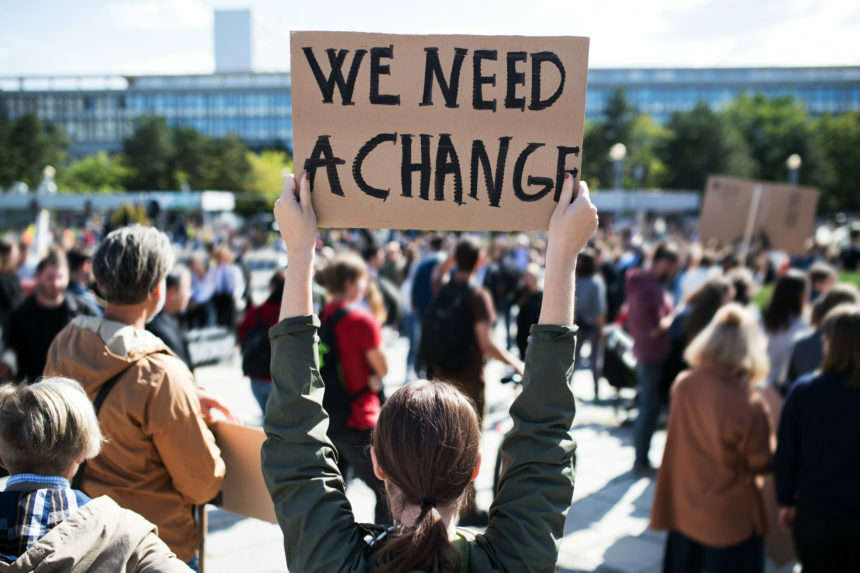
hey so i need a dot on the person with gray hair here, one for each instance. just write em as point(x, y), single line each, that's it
point(161, 459)
point(47, 430)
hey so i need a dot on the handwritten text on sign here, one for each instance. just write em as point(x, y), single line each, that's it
point(437, 132)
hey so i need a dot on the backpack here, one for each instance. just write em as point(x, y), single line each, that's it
point(448, 331)
point(256, 352)
point(337, 402)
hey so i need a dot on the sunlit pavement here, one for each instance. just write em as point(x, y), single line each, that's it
point(607, 527)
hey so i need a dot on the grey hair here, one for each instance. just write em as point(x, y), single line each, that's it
point(131, 262)
point(47, 427)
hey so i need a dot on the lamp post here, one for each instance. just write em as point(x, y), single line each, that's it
point(793, 163)
point(617, 153)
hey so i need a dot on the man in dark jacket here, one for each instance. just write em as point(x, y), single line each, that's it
point(39, 318)
point(165, 325)
point(648, 303)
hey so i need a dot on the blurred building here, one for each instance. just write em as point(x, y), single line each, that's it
point(98, 112)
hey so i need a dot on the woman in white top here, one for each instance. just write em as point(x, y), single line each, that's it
point(782, 319)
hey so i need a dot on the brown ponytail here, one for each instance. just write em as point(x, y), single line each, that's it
point(346, 267)
point(426, 443)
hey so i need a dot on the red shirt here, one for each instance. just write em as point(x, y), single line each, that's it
point(356, 333)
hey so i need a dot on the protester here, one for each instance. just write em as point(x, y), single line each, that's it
point(698, 310)
point(254, 340)
point(807, 351)
point(161, 458)
point(849, 256)
point(590, 312)
point(821, 278)
point(422, 294)
point(783, 319)
point(38, 319)
point(81, 277)
point(426, 445)
point(529, 302)
point(10, 297)
point(47, 430)
point(201, 309)
point(817, 465)
point(358, 337)
point(229, 285)
point(648, 306)
point(166, 325)
point(717, 441)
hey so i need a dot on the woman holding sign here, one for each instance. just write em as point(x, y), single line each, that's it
point(426, 442)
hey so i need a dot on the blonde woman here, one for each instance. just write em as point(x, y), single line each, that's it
point(718, 440)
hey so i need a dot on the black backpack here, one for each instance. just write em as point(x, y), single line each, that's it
point(256, 352)
point(448, 331)
point(337, 402)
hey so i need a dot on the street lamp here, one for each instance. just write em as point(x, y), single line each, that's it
point(617, 153)
point(793, 163)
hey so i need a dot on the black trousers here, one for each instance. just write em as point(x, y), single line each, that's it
point(353, 448)
point(826, 542)
point(685, 555)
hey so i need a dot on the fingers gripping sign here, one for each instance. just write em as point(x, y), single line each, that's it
point(295, 216)
point(573, 221)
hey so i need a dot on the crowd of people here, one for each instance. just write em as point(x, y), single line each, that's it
point(750, 390)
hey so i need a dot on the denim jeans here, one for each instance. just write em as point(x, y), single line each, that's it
point(649, 375)
point(261, 390)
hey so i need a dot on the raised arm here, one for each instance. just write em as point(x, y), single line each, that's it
point(536, 486)
point(570, 227)
point(298, 225)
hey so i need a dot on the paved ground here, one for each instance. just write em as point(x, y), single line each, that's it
point(607, 527)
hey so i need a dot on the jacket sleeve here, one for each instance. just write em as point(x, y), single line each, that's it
point(184, 442)
point(536, 487)
point(153, 556)
point(299, 461)
point(755, 445)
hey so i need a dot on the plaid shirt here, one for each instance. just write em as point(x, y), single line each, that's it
point(30, 507)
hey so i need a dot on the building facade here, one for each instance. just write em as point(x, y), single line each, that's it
point(99, 112)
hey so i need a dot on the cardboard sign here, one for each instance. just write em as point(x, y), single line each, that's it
point(783, 219)
point(244, 491)
point(437, 132)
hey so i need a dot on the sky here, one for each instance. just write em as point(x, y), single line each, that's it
point(128, 37)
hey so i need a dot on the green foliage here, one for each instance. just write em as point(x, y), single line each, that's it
point(267, 173)
point(189, 160)
point(100, 172)
point(774, 129)
point(227, 167)
point(149, 155)
point(129, 214)
point(26, 147)
point(699, 143)
point(616, 127)
point(840, 141)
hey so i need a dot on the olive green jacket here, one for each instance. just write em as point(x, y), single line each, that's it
point(299, 462)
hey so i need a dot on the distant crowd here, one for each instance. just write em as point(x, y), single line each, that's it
point(762, 391)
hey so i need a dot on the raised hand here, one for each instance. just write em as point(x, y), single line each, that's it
point(295, 215)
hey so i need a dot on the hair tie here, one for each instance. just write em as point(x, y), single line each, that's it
point(431, 501)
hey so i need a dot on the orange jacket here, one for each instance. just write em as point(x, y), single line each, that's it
point(160, 457)
point(717, 442)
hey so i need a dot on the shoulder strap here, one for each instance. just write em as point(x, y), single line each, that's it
point(334, 319)
point(97, 405)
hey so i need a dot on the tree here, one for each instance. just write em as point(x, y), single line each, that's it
point(227, 167)
point(700, 143)
point(149, 154)
point(644, 169)
point(267, 173)
point(100, 172)
point(189, 160)
point(27, 147)
point(840, 140)
point(774, 129)
point(616, 127)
